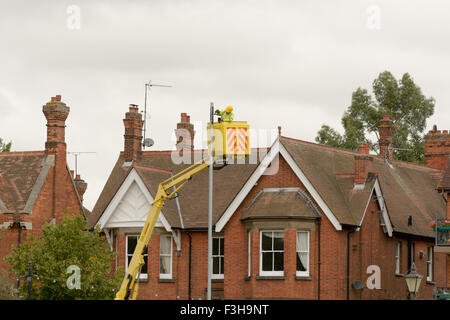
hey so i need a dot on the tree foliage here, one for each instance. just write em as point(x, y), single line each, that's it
point(60, 246)
point(7, 290)
point(5, 147)
point(402, 100)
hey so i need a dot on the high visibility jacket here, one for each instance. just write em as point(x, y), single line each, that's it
point(226, 116)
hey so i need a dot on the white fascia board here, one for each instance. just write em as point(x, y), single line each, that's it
point(276, 149)
point(382, 205)
point(133, 176)
point(367, 205)
point(308, 185)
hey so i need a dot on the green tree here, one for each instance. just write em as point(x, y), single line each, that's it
point(59, 247)
point(7, 290)
point(5, 147)
point(402, 100)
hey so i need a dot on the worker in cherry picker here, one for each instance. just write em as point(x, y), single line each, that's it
point(225, 115)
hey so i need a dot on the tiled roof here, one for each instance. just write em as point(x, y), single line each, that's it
point(281, 203)
point(409, 189)
point(155, 166)
point(19, 172)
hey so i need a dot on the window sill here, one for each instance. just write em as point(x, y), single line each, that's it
point(246, 278)
point(143, 280)
point(399, 275)
point(303, 277)
point(166, 280)
point(258, 277)
point(431, 282)
point(217, 280)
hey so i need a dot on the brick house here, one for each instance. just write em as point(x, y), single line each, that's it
point(37, 186)
point(296, 221)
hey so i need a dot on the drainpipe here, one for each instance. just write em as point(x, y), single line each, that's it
point(319, 262)
point(190, 265)
point(348, 262)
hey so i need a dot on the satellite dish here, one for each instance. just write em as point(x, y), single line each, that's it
point(358, 285)
point(148, 142)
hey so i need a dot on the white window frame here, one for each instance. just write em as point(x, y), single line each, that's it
point(308, 251)
point(142, 276)
point(218, 275)
point(170, 255)
point(269, 273)
point(430, 257)
point(398, 253)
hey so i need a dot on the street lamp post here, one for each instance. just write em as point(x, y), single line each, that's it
point(413, 280)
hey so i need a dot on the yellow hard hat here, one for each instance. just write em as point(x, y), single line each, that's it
point(229, 109)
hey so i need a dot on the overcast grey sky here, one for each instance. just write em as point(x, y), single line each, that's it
point(288, 63)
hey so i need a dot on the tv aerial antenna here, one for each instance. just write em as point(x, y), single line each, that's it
point(76, 154)
point(147, 141)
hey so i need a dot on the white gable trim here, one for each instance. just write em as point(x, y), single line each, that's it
point(276, 149)
point(133, 176)
point(382, 205)
point(367, 205)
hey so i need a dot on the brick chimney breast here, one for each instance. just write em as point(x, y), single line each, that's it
point(81, 186)
point(386, 132)
point(185, 133)
point(363, 164)
point(437, 148)
point(56, 113)
point(133, 133)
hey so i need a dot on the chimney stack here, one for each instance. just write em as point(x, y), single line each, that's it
point(185, 133)
point(56, 113)
point(437, 148)
point(386, 131)
point(133, 133)
point(81, 186)
point(363, 164)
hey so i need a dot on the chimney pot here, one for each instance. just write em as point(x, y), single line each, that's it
point(72, 173)
point(78, 177)
point(58, 97)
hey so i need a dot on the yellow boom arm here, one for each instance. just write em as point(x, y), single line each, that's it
point(129, 287)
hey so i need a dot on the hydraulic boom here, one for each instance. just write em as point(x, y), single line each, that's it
point(129, 288)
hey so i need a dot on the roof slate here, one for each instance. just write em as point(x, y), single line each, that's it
point(281, 203)
point(193, 197)
point(18, 174)
point(409, 189)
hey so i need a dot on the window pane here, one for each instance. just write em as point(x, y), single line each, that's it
point(164, 265)
point(278, 241)
point(266, 240)
point(215, 248)
point(267, 261)
point(216, 265)
point(221, 265)
point(165, 245)
point(302, 241)
point(221, 246)
point(144, 267)
point(278, 261)
point(302, 261)
point(132, 242)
